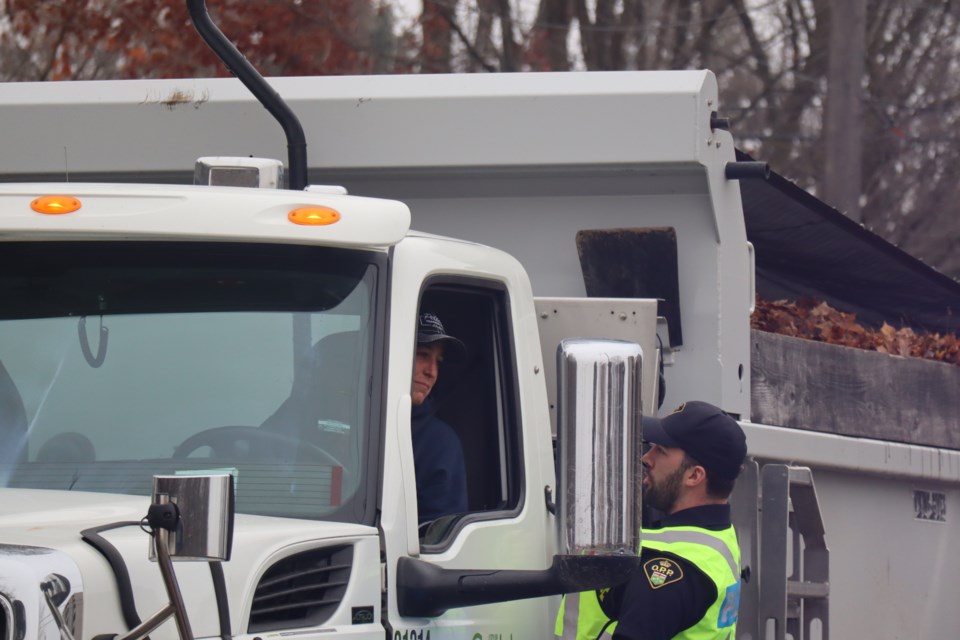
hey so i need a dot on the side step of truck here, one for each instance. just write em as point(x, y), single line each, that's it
point(786, 573)
point(790, 523)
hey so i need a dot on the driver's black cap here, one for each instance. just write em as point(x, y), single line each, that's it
point(703, 431)
point(430, 330)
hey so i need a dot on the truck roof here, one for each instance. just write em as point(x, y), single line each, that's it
point(168, 212)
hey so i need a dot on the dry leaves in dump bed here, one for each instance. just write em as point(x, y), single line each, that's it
point(816, 320)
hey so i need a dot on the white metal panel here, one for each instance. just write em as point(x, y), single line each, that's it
point(612, 318)
point(360, 122)
point(853, 455)
point(892, 573)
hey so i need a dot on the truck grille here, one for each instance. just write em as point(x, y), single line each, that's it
point(301, 590)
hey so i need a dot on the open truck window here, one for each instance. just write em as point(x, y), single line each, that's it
point(120, 361)
point(478, 397)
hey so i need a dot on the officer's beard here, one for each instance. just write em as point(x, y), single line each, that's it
point(662, 495)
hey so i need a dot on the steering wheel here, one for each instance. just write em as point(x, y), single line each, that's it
point(432, 531)
point(240, 443)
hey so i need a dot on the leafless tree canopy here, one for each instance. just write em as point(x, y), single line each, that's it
point(771, 57)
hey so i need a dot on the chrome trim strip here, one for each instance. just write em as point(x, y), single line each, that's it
point(7, 612)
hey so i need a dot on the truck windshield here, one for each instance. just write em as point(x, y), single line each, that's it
point(123, 360)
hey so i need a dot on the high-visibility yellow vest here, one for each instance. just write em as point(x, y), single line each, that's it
point(581, 618)
point(716, 553)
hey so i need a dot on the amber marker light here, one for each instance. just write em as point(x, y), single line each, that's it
point(314, 216)
point(55, 204)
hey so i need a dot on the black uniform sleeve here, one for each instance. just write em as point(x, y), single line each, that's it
point(611, 599)
point(665, 597)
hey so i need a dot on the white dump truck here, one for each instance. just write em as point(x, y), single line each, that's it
point(156, 329)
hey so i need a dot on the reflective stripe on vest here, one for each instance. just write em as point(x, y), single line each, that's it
point(693, 536)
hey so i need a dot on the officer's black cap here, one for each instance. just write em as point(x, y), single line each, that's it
point(704, 432)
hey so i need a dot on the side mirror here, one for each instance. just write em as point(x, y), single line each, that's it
point(599, 446)
point(191, 518)
point(204, 531)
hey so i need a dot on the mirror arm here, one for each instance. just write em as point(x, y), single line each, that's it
point(426, 590)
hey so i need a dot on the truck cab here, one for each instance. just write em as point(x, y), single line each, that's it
point(269, 335)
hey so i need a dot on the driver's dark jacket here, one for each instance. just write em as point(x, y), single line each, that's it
point(438, 465)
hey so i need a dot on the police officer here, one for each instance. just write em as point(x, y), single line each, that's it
point(689, 583)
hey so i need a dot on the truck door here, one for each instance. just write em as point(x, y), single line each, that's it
point(505, 524)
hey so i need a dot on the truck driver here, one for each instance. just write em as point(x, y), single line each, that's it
point(437, 455)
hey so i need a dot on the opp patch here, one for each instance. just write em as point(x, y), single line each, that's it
point(662, 571)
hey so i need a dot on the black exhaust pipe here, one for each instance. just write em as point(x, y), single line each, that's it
point(251, 78)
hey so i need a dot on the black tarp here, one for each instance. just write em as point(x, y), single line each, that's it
point(804, 247)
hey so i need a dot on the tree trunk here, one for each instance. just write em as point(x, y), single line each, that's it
point(548, 42)
point(435, 21)
point(843, 117)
